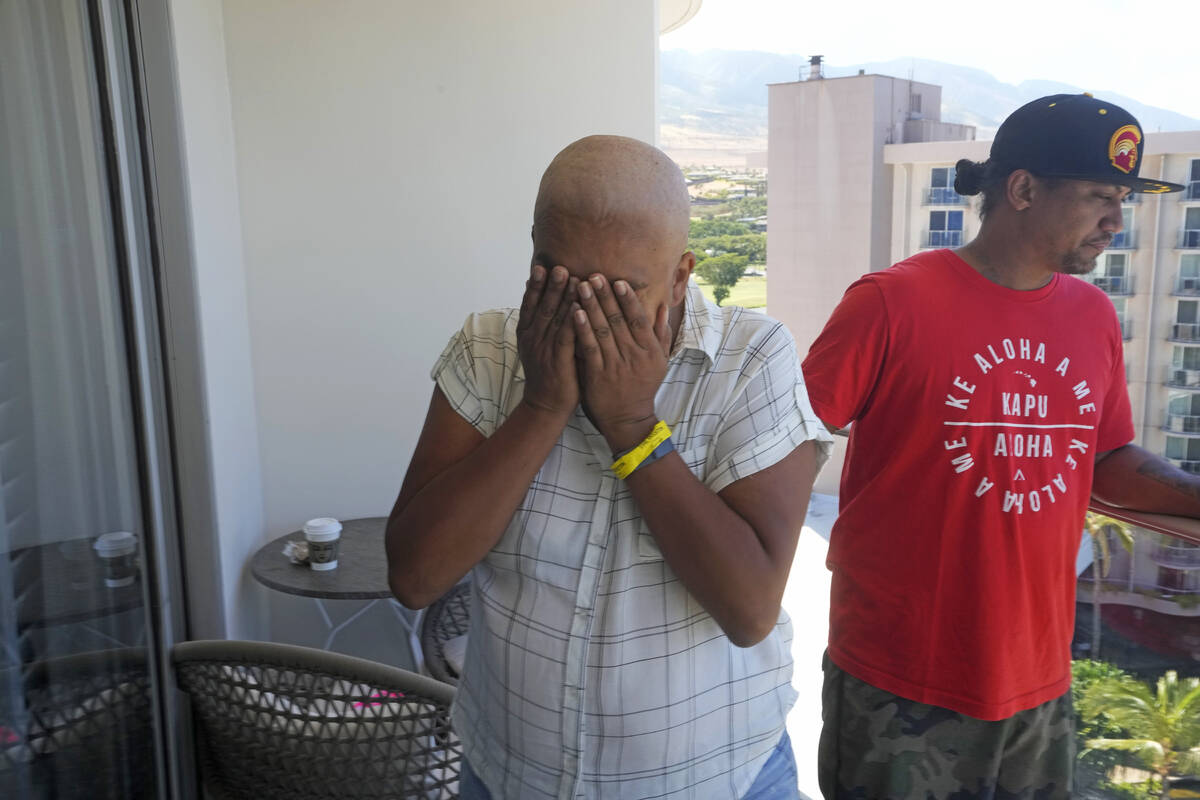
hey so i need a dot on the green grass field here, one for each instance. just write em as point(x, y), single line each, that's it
point(749, 292)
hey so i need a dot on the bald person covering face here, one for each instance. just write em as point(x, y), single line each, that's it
point(624, 468)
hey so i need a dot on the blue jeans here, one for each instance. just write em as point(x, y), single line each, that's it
point(776, 780)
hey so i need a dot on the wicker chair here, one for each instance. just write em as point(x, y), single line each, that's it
point(279, 721)
point(81, 727)
point(447, 618)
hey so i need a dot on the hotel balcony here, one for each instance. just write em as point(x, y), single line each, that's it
point(1183, 378)
point(1147, 596)
point(1122, 241)
point(1192, 192)
point(1187, 286)
point(1183, 423)
point(1190, 239)
point(1126, 328)
point(1176, 554)
point(942, 239)
point(944, 196)
point(1112, 284)
point(1187, 465)
point(1184, 332)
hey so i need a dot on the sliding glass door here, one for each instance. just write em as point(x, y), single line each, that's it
point(88, 565)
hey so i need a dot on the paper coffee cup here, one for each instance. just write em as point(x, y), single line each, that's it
point(323, 534)
point(77, 555)
point(118, 553)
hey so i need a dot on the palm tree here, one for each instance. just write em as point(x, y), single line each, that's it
point(1098, 527)
point(1163, 727)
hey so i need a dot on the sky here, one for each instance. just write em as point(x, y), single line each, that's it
point(1144, 49)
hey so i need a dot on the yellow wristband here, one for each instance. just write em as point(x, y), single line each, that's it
point(626, 464)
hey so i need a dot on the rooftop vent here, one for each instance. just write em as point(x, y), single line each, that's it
point(815, 73)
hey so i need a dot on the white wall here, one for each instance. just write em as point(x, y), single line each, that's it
point(224, 348)
point(387, 158)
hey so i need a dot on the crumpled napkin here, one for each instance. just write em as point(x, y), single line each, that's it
point(296, 551)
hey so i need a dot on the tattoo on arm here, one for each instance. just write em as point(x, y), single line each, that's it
point(1171, 476)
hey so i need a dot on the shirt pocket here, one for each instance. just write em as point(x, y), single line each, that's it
point(647, 545)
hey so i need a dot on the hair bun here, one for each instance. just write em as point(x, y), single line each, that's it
point(968, 176)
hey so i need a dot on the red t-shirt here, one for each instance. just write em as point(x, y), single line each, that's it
point(978, 412)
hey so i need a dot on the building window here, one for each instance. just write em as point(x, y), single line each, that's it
point(1185, 357)
point(945, 229)
point(1191, 227)
point(942, 178)
point(914, 103)
point(1113, 265)
point(941, 187)
point(1111, 274)
point(1185, 312)
point(1186, 404)
point(1125, 322)
point(1183, 448)
point(1193, 187)
point(1189, 274)
point(1173, 581)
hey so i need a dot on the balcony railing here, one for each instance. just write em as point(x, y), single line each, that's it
point(1190, 239)
point(1187, 465)
point(1183, 378)
point(1185, 332)
point(1192, 192)
point(1112, 284)
point(943, 239)
point(1126, 328)
point(1122, 241)
point(1148, 589)
point(1178, 555)
point(1183, 423)
point(1188, 285)
point(944, 196)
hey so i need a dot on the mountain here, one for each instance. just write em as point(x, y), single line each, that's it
point(717, 99)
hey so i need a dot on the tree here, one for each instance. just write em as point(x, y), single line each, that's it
point(722, 272)
point(1162, 728)
point(751, 245)
point(748, 207)
point(1098, 527)
point(1094, 766)
point(701, 228)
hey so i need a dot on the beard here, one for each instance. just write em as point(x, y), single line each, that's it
point(1074, 262)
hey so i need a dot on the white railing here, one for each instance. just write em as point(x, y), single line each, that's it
point(1184, 378)
point(944, 196)
point(1179, 555)
point(1187, 284)
point(943, 239)
point(1182, 423)
point(1112, 284)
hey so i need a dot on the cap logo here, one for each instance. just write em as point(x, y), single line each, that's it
point(1123, 148)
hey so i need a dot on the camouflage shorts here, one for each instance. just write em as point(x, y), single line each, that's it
point(876, 745)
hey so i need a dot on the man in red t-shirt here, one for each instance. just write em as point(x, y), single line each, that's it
point(986, 387)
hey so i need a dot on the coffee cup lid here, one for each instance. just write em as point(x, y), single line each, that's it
point(115, 543)
point(323, 526)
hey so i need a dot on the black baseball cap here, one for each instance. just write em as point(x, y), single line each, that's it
point(1076, 136)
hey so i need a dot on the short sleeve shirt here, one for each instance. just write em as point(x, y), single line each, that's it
point(978, 412)
point(590, 668)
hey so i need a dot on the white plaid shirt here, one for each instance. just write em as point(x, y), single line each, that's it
point(591, 671)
